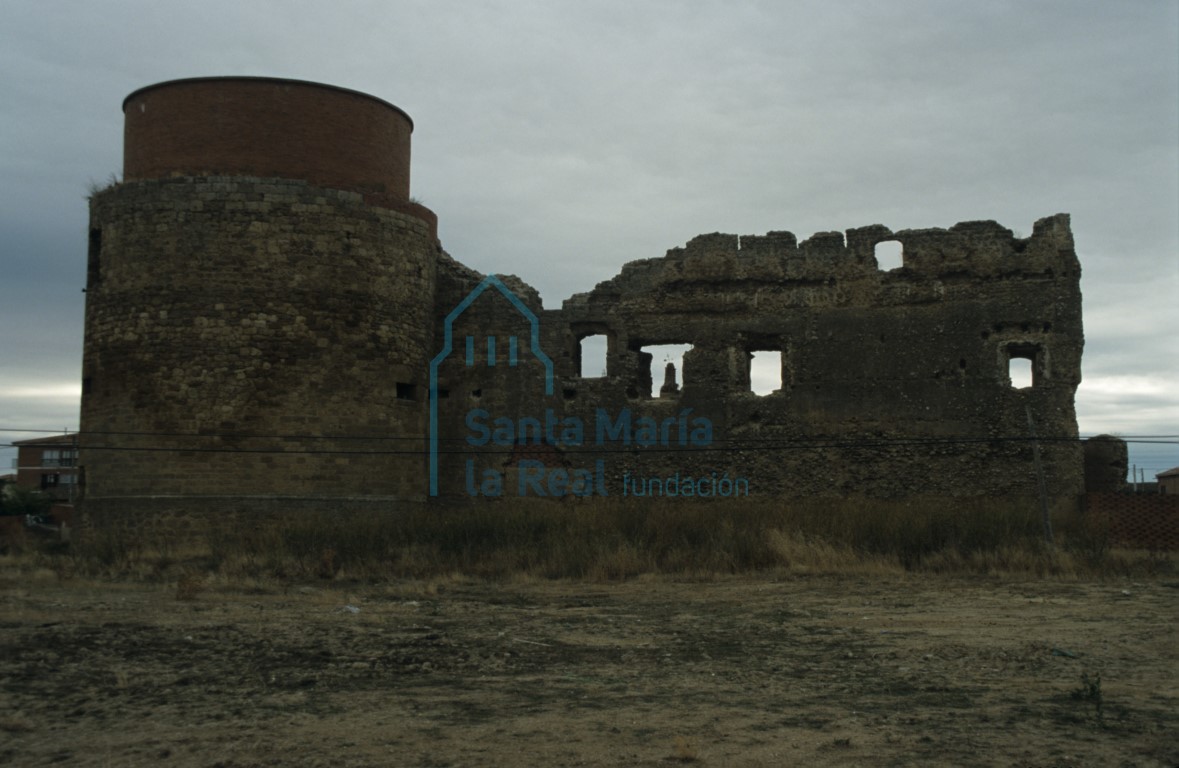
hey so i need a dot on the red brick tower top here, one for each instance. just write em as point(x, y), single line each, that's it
point(269, 127)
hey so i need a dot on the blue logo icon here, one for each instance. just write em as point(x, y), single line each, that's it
point(469, 345)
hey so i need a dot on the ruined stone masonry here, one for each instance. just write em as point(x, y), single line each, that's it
point(267, 316)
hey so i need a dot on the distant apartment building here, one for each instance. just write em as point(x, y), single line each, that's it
point(48, 464)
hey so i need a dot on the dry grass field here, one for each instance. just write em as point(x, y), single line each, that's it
point(876, 668)
point(752, 635)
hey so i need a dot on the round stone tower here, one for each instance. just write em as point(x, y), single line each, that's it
point(259, 307)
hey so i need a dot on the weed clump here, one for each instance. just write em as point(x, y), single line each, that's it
point(1090, 691)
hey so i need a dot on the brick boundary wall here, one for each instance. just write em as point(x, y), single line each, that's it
point(1137, 520)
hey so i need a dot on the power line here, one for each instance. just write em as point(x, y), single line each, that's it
point(1140, 439)
point(764, 445)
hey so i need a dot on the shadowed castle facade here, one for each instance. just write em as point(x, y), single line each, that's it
point(268, 318)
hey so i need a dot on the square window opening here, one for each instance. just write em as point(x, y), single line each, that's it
point(591, 356)
point(765, 372)
point(890, 255)
point(1019, 372)
point(1026, 364)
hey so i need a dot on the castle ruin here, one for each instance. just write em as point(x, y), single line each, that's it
point(272, 324)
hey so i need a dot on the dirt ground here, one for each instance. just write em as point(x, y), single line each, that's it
point(749, 671)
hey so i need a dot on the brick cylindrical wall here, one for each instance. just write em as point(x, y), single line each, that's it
point(270, 128)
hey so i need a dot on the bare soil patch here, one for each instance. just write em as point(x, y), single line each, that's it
point(742, 671)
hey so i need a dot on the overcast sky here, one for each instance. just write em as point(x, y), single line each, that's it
point(559, 140)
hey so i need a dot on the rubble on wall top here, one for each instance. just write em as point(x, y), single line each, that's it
point(982, 249)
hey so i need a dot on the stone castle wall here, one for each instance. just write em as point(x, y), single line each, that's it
point(267, 310)
point(893, 383)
